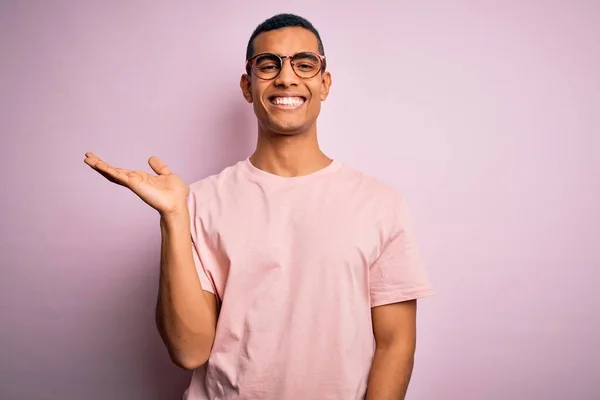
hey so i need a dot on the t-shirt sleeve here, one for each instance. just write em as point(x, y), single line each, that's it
point(202, 273)
point(200, 249)
point(398, 274)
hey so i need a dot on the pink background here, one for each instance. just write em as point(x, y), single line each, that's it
point(485, 115)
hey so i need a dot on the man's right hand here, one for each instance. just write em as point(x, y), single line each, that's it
point(165, 192)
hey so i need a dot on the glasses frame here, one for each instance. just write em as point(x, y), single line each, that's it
point(250, 63)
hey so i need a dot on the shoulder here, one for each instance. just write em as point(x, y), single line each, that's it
point(385, 198)
point(207, 189)
point(384, 192)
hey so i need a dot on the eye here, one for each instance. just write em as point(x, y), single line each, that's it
point(271, 67)
point(267, 62)
point(305, 66)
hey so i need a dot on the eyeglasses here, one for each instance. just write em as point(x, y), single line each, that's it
point(268, 66)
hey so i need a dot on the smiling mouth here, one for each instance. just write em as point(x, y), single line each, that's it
point(287, 101)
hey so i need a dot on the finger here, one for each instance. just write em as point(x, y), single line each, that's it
point(158, 166)
point(110, 178)
point(91, 159)
point(117, 175)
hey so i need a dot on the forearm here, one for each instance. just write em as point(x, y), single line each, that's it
point(390, 372)
point(184, 318)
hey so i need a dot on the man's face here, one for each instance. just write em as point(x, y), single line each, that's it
point(287, 104)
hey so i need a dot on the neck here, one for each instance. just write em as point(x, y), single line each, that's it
point(289, 155)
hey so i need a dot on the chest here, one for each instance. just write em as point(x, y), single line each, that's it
point(299, 234)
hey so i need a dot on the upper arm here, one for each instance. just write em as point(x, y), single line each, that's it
point(211, 301)
point(397, 279)
point(395, 324)
point(398, 274)
point(208, 290)
point(201, 254)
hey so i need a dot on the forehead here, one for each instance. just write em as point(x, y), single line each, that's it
point(286, 41)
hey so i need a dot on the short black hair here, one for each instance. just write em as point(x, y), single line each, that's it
point(280, 21)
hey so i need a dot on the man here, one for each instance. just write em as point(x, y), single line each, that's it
point(301, 276)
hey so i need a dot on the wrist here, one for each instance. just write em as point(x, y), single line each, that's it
point(176, 218)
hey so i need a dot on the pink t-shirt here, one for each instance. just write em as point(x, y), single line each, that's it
point(297, 263)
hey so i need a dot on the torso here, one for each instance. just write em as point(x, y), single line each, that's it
point(289, 261)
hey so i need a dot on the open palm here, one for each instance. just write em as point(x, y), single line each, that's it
point(164, 192)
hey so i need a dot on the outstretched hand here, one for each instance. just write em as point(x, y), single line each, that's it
point(165, 192)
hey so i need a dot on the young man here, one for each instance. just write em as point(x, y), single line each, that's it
point(301, 276)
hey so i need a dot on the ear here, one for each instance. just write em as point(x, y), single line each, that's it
point(325, 85)
point(246, 87)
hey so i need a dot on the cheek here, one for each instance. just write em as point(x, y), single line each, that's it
point(316, 98)
point(315, 107)
point(316, 91)
point(258, 89)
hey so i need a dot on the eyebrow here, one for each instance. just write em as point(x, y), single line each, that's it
point(305, 54)
point(267, 55)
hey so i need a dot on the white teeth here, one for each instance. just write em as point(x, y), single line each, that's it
point(288, 101)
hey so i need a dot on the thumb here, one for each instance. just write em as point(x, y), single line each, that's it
point(158, 166)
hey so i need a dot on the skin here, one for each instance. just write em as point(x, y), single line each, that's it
point(287, 139)
point(186, 315)
point(287, 145)
point(394, 327)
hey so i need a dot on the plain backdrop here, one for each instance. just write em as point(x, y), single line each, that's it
point(485, 115)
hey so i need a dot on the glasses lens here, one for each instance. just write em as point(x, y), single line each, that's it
point(267, 66)
point(306, 65)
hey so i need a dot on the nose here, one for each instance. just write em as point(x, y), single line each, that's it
point(287, 77)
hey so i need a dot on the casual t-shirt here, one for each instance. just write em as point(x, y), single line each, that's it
point(296, 264)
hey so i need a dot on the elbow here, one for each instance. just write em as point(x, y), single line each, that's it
point(186, 358)
point(183, 354)
point(189, 362)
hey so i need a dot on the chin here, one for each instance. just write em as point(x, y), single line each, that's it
point(288, 133)
point(288, 130)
